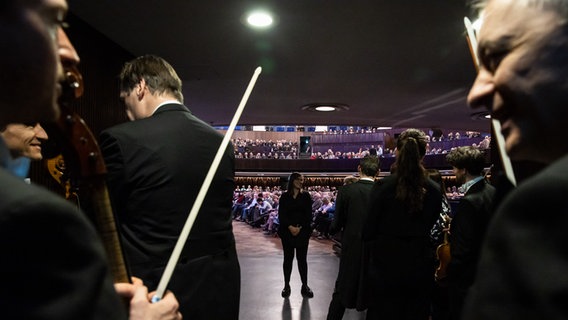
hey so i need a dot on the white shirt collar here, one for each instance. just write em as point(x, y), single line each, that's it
point(164, 103)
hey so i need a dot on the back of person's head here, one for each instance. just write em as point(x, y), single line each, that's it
point(159, 75)
point(469, 158)
point(411, 148)
point(418, 135)
point(369, 165)
point(411, 175)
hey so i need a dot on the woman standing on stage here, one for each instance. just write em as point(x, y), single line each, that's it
point(295, 215)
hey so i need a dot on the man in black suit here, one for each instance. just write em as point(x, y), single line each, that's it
point(52, 261)
point(522, 80)
point(469, 223)
point(351, 209)
point(156, 164)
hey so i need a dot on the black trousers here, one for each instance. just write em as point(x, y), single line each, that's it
point(299, 247)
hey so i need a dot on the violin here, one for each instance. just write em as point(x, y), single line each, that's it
point(80, 170)
point(443, 255)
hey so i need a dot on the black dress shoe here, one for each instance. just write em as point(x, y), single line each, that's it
point(307, 292)
point(286, 292)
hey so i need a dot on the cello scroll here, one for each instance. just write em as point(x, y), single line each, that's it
point(82, 171)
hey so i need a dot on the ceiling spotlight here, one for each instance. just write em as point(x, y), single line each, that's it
point(260, 19)
point(325, 107)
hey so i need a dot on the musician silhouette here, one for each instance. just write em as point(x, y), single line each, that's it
point(155, 164)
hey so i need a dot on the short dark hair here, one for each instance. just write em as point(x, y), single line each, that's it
point(469, 158)
point(369, 165)
point(159, 75)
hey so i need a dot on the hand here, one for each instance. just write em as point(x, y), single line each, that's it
point(140, 306)
point(294, 230)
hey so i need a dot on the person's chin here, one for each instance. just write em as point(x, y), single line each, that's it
point(518, 150)
point(36, 155)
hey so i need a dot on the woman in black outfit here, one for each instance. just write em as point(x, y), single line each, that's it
point(403, 208)
point(295, 215)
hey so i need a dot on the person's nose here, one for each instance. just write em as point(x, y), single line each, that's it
point(40, 132)
point(481, 92)
point(67, 53)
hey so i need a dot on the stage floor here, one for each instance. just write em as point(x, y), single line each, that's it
point(260, 257)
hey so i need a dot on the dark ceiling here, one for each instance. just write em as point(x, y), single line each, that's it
point(403, 63)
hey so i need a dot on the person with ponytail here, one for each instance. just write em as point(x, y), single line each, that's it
point(403, 208)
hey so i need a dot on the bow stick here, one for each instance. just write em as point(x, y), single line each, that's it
point(202, 192)
point(507, 166)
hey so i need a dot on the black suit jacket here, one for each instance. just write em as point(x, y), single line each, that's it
point(351, 209)
point(523, 269)
point(467, 231)
point(52, 262)
point(295, 212)
point(156, 167)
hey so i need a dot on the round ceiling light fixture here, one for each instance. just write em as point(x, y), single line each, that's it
point(260, 19)
point(325, 107)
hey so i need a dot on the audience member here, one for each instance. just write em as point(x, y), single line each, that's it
point(317, 201)
point(248, 207)
point(260, 212)
point(322, 218)
point(272, 221)
point(294, 230)
point(155, 165)
point(522, 80)
point(469, 223)
point(350, 214)
point(403, 208)
point(239, 202)
point(73, 262)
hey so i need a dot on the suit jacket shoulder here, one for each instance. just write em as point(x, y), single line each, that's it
point(54, 265)
point(528, 234)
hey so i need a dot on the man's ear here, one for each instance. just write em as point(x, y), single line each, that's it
point(141, 89)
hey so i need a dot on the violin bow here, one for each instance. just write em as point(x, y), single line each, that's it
point(166, 276)
point(506, 161)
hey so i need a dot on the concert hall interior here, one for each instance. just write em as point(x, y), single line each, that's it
point(384, 66)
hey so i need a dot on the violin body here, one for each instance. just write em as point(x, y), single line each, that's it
point(443, 255)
